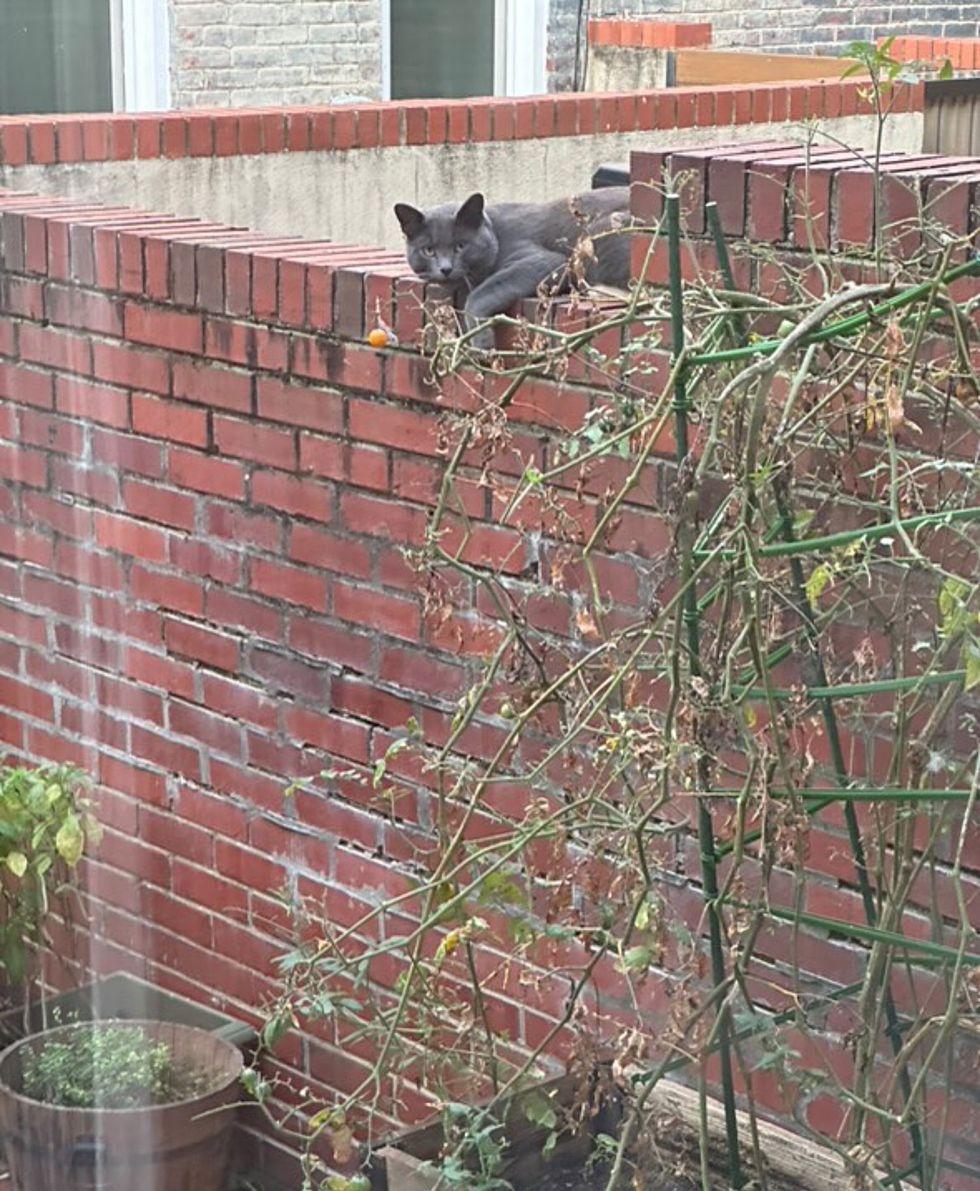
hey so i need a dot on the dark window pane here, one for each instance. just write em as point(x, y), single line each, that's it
point(441, 48)
point(55, 56)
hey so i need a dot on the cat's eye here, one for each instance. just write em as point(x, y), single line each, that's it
point(428, 250)
point(460, 247)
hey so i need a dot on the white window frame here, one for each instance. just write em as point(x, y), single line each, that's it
point(521, 47)
point(519, 50)
point(140, 55)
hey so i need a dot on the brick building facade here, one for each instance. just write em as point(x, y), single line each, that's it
point(237, 53)
point(150, 55)
point(796, 26)
point(243, 52)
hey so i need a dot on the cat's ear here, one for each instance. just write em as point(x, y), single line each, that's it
point(411, 219)
point(470, 214)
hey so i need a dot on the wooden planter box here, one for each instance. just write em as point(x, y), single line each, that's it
point(794, 1162)
point(402, 1164)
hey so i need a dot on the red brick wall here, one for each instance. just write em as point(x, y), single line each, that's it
point(48, 140)
point(208, 477)
point(650, 34)
point(963, 53)
point(202, 588)
point(783, 195)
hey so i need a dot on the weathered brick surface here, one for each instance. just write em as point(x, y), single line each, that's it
point(797, 26)
point(179, 258)
point(202, 595)
point(252, 53)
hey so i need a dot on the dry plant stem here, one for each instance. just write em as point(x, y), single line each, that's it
point(613, 772)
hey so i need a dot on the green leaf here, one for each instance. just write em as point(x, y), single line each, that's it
point(971, 656)
point(321, 1119)
point(540, 1111)
point(637, 959)
point(500, 888)
point(819, 581)
point(70, 841)
point(13, 960)
point(952, 606)
point(17, 863)
point(255, 1085)
point(275, 1029)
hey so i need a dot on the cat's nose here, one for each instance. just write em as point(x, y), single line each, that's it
point(446, 270)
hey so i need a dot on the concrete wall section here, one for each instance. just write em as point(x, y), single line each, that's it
point(347, 195)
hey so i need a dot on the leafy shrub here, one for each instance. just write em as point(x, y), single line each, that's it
point(45, 824)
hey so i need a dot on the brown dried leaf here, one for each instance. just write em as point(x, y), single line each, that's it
point(894, 340)
point(342, 1144)
point(894, 407)
point(585, 623)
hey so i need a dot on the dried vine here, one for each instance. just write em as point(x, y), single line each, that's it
point(744, 763)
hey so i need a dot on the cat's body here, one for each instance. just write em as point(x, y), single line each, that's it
point(492, 256)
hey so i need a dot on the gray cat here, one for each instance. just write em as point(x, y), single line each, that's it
point(492, 256)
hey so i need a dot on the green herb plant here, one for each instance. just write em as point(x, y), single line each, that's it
point(106, 1065)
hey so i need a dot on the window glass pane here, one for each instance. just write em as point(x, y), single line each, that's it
point(441, 48)
point(55, 56)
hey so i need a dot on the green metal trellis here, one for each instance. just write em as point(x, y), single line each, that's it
point(822, 692)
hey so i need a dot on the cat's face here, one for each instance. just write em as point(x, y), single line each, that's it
point(449, 244)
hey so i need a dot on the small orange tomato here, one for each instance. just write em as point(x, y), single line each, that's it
point(378, 337)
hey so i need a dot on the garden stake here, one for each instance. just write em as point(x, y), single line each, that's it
point(825, 696)
point(690, 617)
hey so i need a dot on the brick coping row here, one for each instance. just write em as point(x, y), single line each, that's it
point(645, 34)
point(200, 132)
point(963, 53)
point(211, 268)
point(769, 192)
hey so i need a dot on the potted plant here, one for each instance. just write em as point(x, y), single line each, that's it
point(118, 1105)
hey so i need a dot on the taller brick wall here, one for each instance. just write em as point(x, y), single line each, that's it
point(208, 482)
